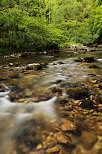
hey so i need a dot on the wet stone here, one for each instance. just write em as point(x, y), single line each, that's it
point(54, 149)
point(15, 76)
point(100, 86)
point(60, 62)
point(34, 66)
point(79, 59)
point(78, 92)
point(98, 100)
point(94, 81)
point(64, 101)
point(11, 64)
point(68, 126)
point(91, 75)
point(39, 146)
point(56, 90)
point(89, 59)
point(93, 66)
point(88, 140)
point(71, 85)
point(15, 88)
point(87, 104)
point(58, 81)
point(68, 108)
point(3, 79)
point(61, 138)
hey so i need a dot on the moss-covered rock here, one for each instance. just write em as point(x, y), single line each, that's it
point(78, 92)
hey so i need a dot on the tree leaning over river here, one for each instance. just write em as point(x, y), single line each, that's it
point(36, 24)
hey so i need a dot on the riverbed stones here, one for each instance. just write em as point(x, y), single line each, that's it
point(88, 140)
point(78, 93)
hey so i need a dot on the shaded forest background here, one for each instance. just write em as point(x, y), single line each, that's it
point(39, 24)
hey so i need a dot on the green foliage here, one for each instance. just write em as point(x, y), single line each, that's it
point(33, 24)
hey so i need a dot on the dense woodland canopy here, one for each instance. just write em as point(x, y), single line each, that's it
point(36, 24)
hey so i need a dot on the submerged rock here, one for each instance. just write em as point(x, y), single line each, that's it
point(78, 92)
point(15, 76)
point(87, 104)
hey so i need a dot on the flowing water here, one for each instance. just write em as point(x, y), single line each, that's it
point(27, 110)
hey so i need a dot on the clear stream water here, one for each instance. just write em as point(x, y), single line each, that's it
point(15, 117)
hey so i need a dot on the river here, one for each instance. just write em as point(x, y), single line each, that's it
point(32, 115)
